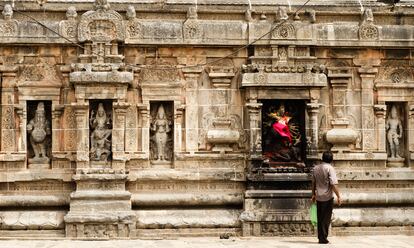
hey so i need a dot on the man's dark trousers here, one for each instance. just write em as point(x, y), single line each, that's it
point(324, 219)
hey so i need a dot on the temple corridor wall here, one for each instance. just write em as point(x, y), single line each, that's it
point(124, 120)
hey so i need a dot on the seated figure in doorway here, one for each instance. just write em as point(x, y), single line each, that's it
point(285, 137)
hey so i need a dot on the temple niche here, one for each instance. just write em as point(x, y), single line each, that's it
point(283, 132)
point(100, 121)
point(39, 133)
point(161, 138)
point(395, 124)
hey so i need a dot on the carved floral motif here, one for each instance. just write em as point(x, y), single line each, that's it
point(284, 31)
point(368, 32)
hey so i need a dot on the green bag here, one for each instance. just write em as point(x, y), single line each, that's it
point(313, 213)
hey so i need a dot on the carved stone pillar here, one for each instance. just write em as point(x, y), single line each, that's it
point(191, 75)
point(21, 112)
point(367, 111)
point(178, 129)
point(8, 131)
point(82, 145)
point(255, 119)
point(57, 130)
point(144, 110)
point(380, 113)
point(411, 130)
point(313, 110)
point(118, 135)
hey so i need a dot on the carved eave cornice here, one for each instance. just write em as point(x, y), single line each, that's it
point(112, 77)
point(290, 80)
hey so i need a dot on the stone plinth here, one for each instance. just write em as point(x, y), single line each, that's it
point(100, 208)
point(276, 204)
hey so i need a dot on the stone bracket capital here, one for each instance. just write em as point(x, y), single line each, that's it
point(380, 110)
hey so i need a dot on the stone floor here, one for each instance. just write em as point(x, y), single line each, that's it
point(395, 241)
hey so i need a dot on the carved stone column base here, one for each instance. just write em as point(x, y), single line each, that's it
point(100, 208)
point(395, 162)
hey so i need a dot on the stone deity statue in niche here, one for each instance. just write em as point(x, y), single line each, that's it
point(38, 129)
point(394, 133)
point(161, 127)
point(101, 134)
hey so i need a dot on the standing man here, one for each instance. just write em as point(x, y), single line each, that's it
point(324, 184)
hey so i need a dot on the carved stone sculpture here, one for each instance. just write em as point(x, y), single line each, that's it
point(394, 133)
point(131, 13)
point(161, 127)
point(71, 13)
point(38, 129)
point(101, 135)
point(282, 13)
point(7, 12)
point(102, 5)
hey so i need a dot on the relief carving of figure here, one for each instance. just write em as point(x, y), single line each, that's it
point(394, 132)
point(161, 127)
point(38, 129)
point(101, 134)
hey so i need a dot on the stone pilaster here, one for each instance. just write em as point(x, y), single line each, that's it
point(367, 111)
point(118, 135)
point(313, 110)
point(380, 114)
point(255, 120)
point(82, 137)
point(411, 130)
point(178, 128)
point(8, 129)
point(144, 110)
point(191, 74)
point(57, 131)
point(21, 112)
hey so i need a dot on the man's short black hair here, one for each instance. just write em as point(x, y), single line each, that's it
point(327, 157)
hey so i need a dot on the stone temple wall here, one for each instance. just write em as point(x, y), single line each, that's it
point(128, 119)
